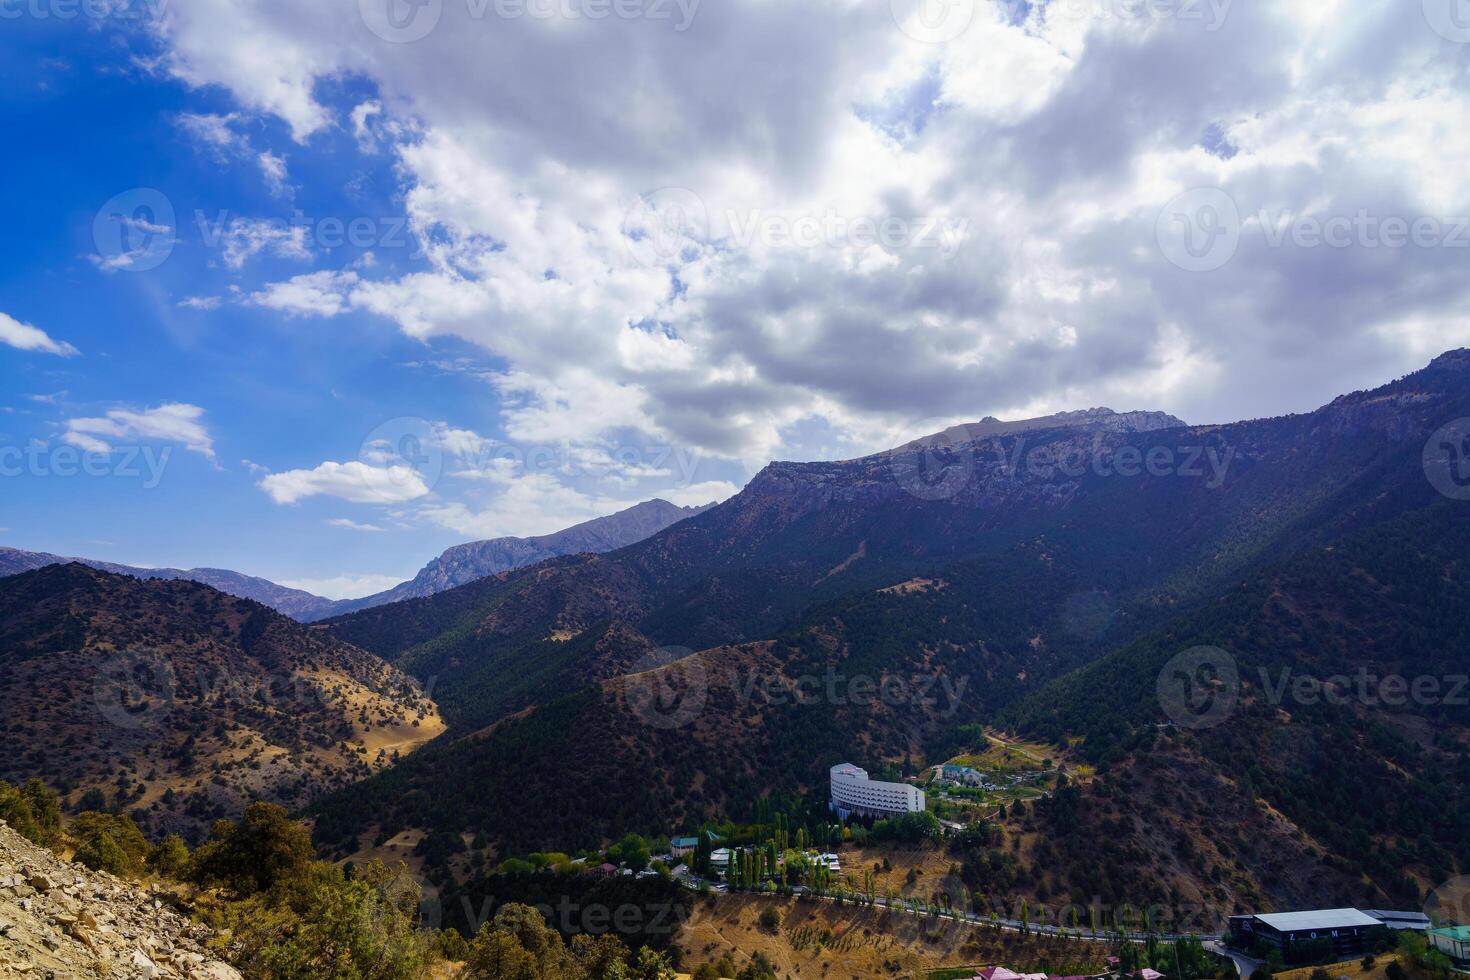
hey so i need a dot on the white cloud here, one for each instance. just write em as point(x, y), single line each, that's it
point(324, 294)
point(213, 131)
point(1051, 135)
point(173, 422)
point(353, 481)
point(273, 167)
point(204, 303)
point(23, 336)
point(345, 586)
point(351, 525)
point(241, 239)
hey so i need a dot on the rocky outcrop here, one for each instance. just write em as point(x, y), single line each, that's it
point(59, 919)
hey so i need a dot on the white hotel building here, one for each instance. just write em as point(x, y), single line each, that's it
point(854, 793)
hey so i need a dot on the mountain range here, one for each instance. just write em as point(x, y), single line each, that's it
point(456, 566)
point(630, 690)
point(1054, 579)
point(467, 562)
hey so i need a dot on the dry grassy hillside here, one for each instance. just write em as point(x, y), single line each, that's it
point(181, 704)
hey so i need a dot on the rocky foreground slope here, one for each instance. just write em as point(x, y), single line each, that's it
point(58, 919)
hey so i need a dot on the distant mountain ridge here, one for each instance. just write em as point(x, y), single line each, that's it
point(459, 565)
point(295, 603)
point(465, 563)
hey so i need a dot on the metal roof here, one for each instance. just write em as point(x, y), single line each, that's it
point(1321, 919)
point(1418, 919)
point(1458, 933)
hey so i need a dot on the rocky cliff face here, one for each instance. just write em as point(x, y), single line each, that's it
point(59, 919)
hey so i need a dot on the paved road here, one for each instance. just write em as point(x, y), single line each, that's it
point(1244, 965)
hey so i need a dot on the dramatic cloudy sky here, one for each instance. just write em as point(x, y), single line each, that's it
point(324, 287)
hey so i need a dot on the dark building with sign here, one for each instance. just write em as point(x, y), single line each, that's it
point(1309, 937)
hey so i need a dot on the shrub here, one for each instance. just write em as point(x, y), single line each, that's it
point(170, 858)
point(109, 842)
point(263, 849)
point(32, 811)
point(770, 918)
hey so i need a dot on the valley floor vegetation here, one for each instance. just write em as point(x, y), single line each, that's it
point(278, 912)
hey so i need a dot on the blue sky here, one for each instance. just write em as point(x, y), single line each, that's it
point(87, 124)
point(365, 291)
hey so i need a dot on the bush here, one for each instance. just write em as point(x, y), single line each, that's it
point(109, 842)
point(266, 847)
point(317, 923)
point(32, 811)
point(170, 858)
point(770, 918)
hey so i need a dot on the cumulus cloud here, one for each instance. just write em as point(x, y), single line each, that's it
point(174, 422)
point(842, 228)
point(353, 481)
point(23, 336)
point(324, 294)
